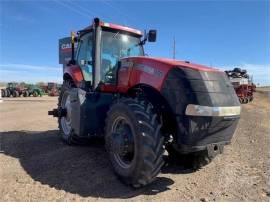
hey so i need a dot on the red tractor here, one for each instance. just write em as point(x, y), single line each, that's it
point(142, 105)
point(53, 89)
point(243, 85)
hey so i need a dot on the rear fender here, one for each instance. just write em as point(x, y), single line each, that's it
point(74, 73)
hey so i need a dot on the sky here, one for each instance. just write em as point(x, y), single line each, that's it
point(222, 34)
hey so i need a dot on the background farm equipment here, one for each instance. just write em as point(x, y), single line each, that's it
point(53, 89)
point(53, 92)
point(26, 90)
point(13, 89)
point(33, 90)
point(36, 92)
point(242, 83)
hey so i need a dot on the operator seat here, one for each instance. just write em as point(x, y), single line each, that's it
point(107, 70)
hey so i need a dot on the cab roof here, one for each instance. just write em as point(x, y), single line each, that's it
point(117, 27)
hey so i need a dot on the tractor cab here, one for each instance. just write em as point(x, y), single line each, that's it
point(12, 85)
point(100, 47)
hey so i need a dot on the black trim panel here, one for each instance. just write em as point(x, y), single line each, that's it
point(185, 86)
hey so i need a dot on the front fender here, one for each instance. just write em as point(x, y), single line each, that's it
point(141, 70)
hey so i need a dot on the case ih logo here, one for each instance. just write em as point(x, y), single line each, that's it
point(65, 50)
point(149, 70)
point(67, 46)
point(145, 68)
point(126, 63)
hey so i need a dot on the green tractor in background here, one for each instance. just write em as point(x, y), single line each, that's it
point(33, 90)
point(16, 90)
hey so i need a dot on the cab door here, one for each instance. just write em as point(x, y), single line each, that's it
point(84, 56)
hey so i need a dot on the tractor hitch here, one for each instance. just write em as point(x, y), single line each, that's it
point(59, 112)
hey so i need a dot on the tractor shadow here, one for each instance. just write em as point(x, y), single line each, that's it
point(82, 170)
point(181, 165)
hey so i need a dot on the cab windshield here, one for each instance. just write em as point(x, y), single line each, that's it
point(116, 45)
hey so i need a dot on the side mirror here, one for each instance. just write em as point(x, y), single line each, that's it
point(152, 35)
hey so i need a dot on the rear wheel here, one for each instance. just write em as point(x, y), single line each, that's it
point(35, 94)
point(15, 93)
point(26, 94)
point(7, 93)
point(64, 123)
point(3, 92)
point(241, 100)
point(134, 142)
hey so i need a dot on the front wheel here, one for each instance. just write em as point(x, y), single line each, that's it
point(134, 142)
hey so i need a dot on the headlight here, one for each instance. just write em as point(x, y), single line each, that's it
point(198, 110)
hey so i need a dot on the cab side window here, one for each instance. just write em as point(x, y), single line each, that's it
point(84, 56)
point(109, 56)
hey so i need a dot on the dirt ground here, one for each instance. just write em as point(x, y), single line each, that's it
point(36, 166)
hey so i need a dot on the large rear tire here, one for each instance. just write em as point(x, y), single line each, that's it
point(134, 141)
point(3, 92)
point(35, 94)
point(8, 93)
point(64, 123)
point(26, 94)
point(15, 93)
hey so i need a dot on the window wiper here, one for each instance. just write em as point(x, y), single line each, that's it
point(115, 35)
point(129, 49)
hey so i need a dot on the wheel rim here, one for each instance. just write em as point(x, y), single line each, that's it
point(122, 142)
point(66, 120)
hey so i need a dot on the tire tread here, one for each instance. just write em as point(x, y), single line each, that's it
point(152, 152)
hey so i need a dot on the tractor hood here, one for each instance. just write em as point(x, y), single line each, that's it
point(155, 71)
point(172, 63)
point(184, 64)
point(199, 84)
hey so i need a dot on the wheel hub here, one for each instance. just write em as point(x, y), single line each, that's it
point(66, 120)
point(122, 142)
